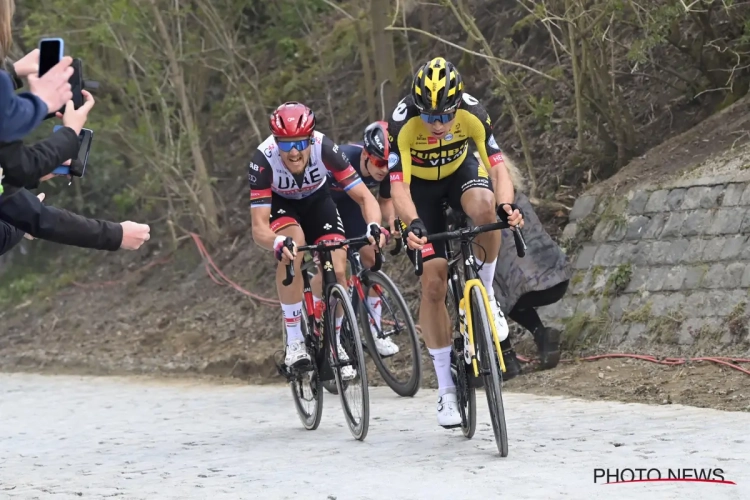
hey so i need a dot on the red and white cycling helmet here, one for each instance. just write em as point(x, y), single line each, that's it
point(292, 119)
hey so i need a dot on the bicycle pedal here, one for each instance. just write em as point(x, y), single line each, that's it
point(451, 426)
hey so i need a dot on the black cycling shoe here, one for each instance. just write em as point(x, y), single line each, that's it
point(512, 365)
point(548, 342)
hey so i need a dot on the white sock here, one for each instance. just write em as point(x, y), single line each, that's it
point(376, 307)
point(441, 358)
point(487, 275)
point(339, 322)
point(292, 319)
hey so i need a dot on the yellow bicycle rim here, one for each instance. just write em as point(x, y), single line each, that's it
point(467, 290)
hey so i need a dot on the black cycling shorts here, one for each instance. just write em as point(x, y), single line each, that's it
point(316, 215)
point(428, 197)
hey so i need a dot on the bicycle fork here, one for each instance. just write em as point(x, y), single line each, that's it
point(465, 307)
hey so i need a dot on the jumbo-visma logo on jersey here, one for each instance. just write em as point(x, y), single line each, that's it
point(440, 157)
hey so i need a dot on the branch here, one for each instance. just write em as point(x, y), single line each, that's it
point(474, 53)
point(338, 8)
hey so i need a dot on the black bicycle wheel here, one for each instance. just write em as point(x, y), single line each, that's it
point(306, 389)
point(467, 394)
point(354, 394)
point(489, 368)
point(402, 371)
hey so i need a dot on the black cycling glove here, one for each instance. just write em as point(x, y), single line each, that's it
point(418, 228)
point(503, 214)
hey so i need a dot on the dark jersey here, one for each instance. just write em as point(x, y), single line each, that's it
point(354, 152)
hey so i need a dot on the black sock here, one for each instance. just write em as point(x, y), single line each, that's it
point(527, 318)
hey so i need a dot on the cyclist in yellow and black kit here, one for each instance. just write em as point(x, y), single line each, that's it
point(429, 161)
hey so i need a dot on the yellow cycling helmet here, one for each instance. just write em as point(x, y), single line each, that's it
point(437, 87)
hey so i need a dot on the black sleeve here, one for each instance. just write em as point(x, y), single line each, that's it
point(385, 188)
point(260, 177)
point(24, 211)
point(9, 237)
point(25, 165)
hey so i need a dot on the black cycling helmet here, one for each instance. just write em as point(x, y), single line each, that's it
point(376, 140)
point(437, 87)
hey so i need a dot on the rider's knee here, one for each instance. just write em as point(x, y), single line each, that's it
point(434, 287)
point(480, 206)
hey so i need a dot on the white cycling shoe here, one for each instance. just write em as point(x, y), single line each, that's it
point(296, 354)
point(347, 372)
point(501, 325)
point(448, 414)
point(386, 347)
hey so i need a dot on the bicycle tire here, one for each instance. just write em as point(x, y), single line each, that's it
point(485, 347)
point(356, 355)
point(411, 386)
point(467, 393)
point(310, 420)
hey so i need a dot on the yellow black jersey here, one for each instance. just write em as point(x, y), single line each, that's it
point(414, 152)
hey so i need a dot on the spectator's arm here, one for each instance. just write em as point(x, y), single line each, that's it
point(25, 165)
point(24, 211)
point(9, 237)
point(19, 113)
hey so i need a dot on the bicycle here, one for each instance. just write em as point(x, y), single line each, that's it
point(477, 335)
point(322, 345)
point(361, 281)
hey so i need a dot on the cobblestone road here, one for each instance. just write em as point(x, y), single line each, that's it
point(79, 437)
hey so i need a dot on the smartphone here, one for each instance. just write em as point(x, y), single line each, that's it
point(51, 51)
point(76, 84)
point(84, 139)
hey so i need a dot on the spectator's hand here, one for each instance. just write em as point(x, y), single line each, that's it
point(76, 118)
point(27, 235)
point(134, 235)
point(28, 64)
point(53, 88)
point(52, 175)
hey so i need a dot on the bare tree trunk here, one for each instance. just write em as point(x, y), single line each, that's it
point(369, 78)
point(207, 206)
point(382, 42)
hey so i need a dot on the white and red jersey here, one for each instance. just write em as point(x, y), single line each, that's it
point(268, 175)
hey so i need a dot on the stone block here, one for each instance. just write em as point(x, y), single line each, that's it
point(586, 306)
point(636, 332)
point(618, 231)
point(657, 201)
point(656, 278)
point(603, 256)
point(745, 280)
point(733, 247)
point(637, 203)
point(714, 278)
point(694, 277)
point(733, 195)
point(602, 230)
point(691, 329)
point(745, 226)
point(726, 221)
point(639, 252)
point(675, 199)
point(714, 246)
point(714, 197)
point(695, 196)
point(579, 282)
point(695, 250)
point(582, 208)
point(636, 226)
point(667, 304)
point(619, 333)
point(638, 279)
point(570, 231)
point(567, 307)
point(733, 275)
point(695, 305)
point(673, 224)
point(659, 252)
point(674, 278)
point(676, 251)
point(695, 223)
point(586, 256)
point(655, 227)
point(745, 198)
point(618, 306)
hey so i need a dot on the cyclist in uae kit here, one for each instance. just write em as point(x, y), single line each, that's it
point(369, 159)
point(289, 197)
point(429, 161)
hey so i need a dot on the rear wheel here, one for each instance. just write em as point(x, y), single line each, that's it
point(354, 394)
point(489, 368)
point(402, 371)
point(306, 388)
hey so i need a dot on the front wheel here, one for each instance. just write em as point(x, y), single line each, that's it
point(354, 394)
point(307, 389)
point(489, 368)
point(402, 371)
